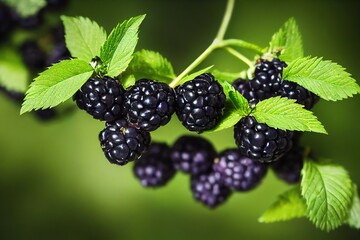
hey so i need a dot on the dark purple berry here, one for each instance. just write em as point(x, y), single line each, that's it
point(101, 97)
point(58, 53)
point(149, 104)
point(33, 56)
point(200, 103)
point(122, 143)
point(288, 167)
point(260, 142)
point(208, 189)
point(192, 154)
point(294, 91)
point(29, 22)
point(244, 88)
point(154, 168)
point(238, 172)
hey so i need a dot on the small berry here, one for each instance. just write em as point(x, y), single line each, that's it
point(200, 103)
point(208, 189)
point(154, 168)
point(288, 168)
point(244, 88)
point(58, 53)
point(122, 143)
point(33, 56)
point(259, 141)
point(101, 97)
point(192, 154)
point(149, 104)
point(238, 172)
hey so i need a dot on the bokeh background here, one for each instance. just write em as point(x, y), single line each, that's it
point(55, 182)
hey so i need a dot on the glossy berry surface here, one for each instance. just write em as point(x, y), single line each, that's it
point(154, 168)
point(238, 172)
point(200, 103)
point(101, 97)
point(149, 104)
point(122, 143)
point(192, 154)
point(261, 142)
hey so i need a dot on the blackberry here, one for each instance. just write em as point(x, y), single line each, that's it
point(261, 142)
point(154, 168)
point(29, 22)
point(149, 104)
point(238, 172)
point(33, 56)
point(101, 97)
point(122, 143)
point(244, 88)
point(6, 21)
point(208, 189)
point(200, 103)
point(58, 53)
point(294, 91)
point(194, 155)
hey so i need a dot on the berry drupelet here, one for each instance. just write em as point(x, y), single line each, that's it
point(200, 103)
point(122, 143)
point(154, 168)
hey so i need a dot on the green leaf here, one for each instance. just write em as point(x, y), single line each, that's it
point(152, 65)
point(289, 205)
point(228, 76)
point(116, 53)
point(14, 75)
point(26, 8)
point(128, 80)
point(284, 113)
point(328, 192)
point(56, 84)
point(354, 213)
point(83, 37)
point(195, 74)
point(288, 42)
point(242, 44)
point(326, 79)
point(230, 117)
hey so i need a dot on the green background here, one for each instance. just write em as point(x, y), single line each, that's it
point(55, 182)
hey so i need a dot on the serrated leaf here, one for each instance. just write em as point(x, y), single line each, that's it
point(229, 118)
point(195, 74)
point(288, 42)
point(128, 80)
point(326, 79)
point(354, 213)
point(284, 113)
point(243, 44)
point(26, 8)
point(227, 76)
point(56, 84)
point(14, 75)
point(151, 65)
point(116, 53)
point(83, 37)
point(289, 205)
point(327, 190)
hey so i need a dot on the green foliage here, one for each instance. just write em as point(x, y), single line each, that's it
point(151, 65)
point(354, 213)
point(288, 42)
point(26, 8)
point(227, 76)
point(289, 205)
point(284, 113)
point(195, 74)
point(326, 79)
point(116, 53)
point(83, 37)
point(243, 44)
point(14, 76)
point(328, 192)
point(56, 84)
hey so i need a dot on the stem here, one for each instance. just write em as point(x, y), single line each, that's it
point(239, 56)
point(214, 45)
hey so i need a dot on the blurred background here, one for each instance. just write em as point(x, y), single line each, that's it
point(55, 182)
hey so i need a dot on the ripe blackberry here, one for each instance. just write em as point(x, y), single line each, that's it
point(101, 97)
point(261, 142)
point(238, 172)
point(149, 104)
point(200, 103)
point(244, 88)
point(6, 21)
point(208, 189)
point(122, 143)
point(33, 56)
point(192, 154)
point(58, 53)
point(154, 168)
point(294, 91)
point(288, 168)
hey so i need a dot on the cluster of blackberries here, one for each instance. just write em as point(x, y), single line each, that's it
point(258, 140)
point(132, 113)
